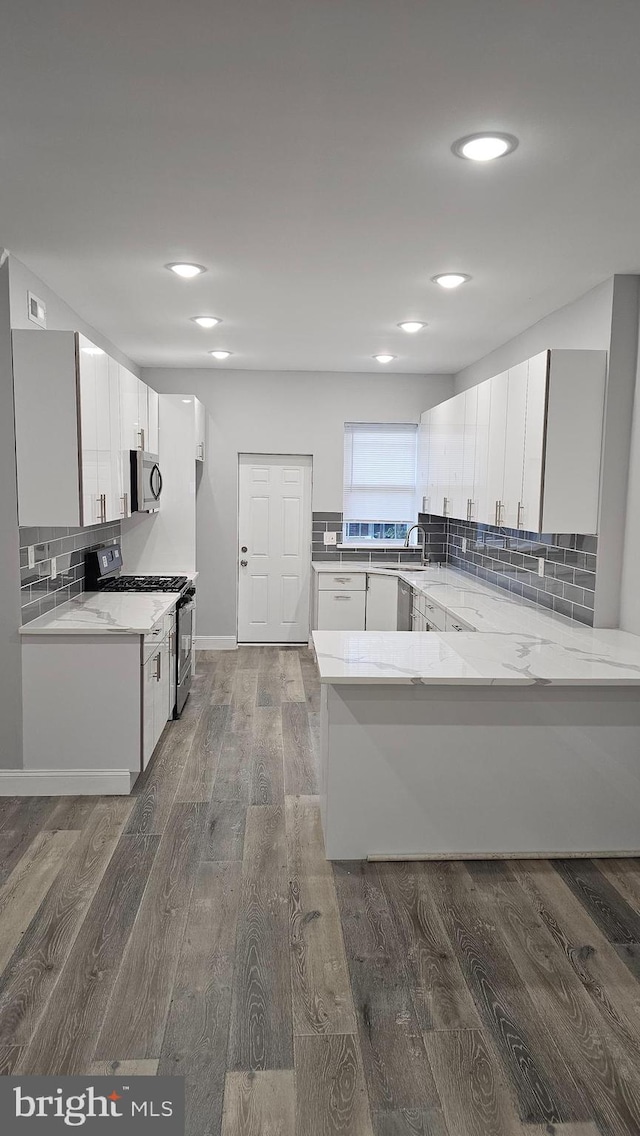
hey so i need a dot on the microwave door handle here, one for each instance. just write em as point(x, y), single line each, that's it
point(156, 470)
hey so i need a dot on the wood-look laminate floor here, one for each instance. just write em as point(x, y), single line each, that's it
point(196, 929)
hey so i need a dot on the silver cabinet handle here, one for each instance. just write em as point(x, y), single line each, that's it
point(102, 508)
point(457, 627)
point(519, 518)
point(124, 501)
point(342, 597)
point(141, 437)
point(343, 579)
point(470, 508)
point(499, 512)
point(445, 504)
point(158, 670)
point(200, 451)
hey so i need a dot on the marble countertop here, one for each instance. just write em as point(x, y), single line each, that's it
point(603, 658)
point(95, 613)
point(515, 642)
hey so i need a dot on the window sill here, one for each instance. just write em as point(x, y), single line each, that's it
point(375, 544)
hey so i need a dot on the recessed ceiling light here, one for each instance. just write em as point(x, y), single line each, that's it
point(485, 147)
point(450, 279)
point(186, 400)
point(220, 354)
point(186, 271)
point(411, 326)
point(383, 358)
point(92, 350)
point(206, 321)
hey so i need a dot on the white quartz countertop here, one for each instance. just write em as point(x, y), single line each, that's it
point(95, 613)
point(515, 642)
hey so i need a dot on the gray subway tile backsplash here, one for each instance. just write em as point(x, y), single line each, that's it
point(509, 558)
point(39, 592)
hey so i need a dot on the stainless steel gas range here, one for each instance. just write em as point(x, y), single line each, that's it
point(103, 574)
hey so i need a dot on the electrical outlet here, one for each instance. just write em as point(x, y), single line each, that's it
point(54, 568)
point(31, 556)
point(464, 544)
point(541, 565)
point(330, 538)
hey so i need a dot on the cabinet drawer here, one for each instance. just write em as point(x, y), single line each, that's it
point(452, 623)
point(341, 611)
point(159, 632)
point(338, 581)
point(434, 614)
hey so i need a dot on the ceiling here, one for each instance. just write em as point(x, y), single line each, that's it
point(301, 150)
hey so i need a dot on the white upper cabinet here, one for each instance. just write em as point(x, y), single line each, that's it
point(532, 490)
point(523, 449)
point(511, 496)
point(424, 432)
point(479, 509)
point(199, 417)
point(78, 414)
point(496, 449)
point(152, 437)
point(469, 435)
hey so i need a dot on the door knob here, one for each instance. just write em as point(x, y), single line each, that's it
point(243, 563)
point(244, 548)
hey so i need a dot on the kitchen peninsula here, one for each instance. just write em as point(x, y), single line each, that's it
point(518, 738)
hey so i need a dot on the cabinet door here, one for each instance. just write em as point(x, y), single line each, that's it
point(469, 453)
point(152, 443)
point(143, 417)
point(149, 686)
point(112, 469)
point(130, 437)
point(424, 437)
point(341, 611)
point(199, 420)
point(92, 512)
point(496, 449)
point(454, 415)
point(481, 508)
point(438, 487)
point(514, 445)
point(161, 712)
point(531, 512)
point(382, 603)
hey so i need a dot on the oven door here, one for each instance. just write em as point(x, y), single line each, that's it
point(185, 621)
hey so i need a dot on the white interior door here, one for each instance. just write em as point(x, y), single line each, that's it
point(274, 548)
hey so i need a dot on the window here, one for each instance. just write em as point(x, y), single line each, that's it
point(379, 481)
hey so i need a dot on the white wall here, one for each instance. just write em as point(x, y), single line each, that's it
point(10, 658)
point(272, 412)
point(585, 323)
point(60, 317)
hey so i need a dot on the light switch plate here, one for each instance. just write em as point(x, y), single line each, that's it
point(330, 537)
point(541, 565)
point(54, 568)
point(31, 556)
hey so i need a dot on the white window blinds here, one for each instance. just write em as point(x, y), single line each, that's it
point(380, 471)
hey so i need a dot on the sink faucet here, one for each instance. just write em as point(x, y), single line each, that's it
point(424, 559)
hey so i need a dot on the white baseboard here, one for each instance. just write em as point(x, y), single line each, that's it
point(215, 642)
point(64, 782)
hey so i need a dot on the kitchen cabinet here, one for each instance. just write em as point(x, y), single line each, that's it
point(340, 601)
point(152, 438)
point(496, 449)
point(156, 686)
point(535, 449)
point(78, 413)
point(479, 505)
point(511, 495)
point(341, 610)
point(424, 434)
point(382, 602)
point(199, 422)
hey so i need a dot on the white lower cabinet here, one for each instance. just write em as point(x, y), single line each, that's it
point(341, 610)
point(382, 603)
point(156, 687)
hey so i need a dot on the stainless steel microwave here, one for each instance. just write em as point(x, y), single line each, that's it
point(146, 482)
